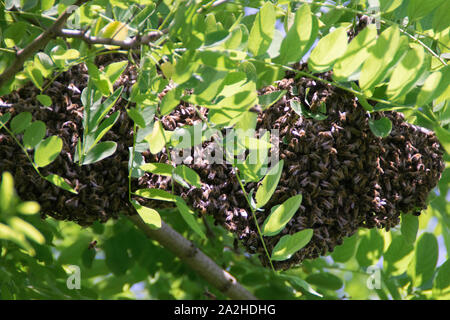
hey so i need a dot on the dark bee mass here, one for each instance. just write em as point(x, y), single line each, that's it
point(349, 178)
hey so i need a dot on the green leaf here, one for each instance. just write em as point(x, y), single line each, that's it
point(186, 176)
point(407, 72)
point(26, 229)
point(290, 244)
point(99, 79)
point(280, 216)
point(325, 280)
point(94, 137)
point(189, 217)
point(156, 139)
point(97, 114)
point(370, 248)
point(329, 49)
point(436, 83)
point(14, 34)
point(269, 184)
point(60, 182)
point(150, 216)
point(398, 256)
point(88, 256)
point(114, 70)
point(47, 151)
point(170, 101)
point(100, 152)
point(10, 234)
point(409, 227)
point(137, 117)
point(422, 266)
point(162, 169)
point(6, 192)
point(444, 137)
point(440, 17)
point(262, 31)
point(269, 99)
point(442, 281)
point(20, 122)
point(4, 119)
point(346, 250)
point(156, 194)
point(28, 207)
point(349, 65)
point(381, 127)
point(301, 110)
point(300, 36)
point(418, 9)
point(34, 134)
point(44, 99)
point(381, 58)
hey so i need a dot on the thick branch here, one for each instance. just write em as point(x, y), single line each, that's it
point(37, 44)
point(124, 44)
point(197, 260)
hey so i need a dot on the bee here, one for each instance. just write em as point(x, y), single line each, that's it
point(92, 244)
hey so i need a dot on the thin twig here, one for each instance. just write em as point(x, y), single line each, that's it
point(124, 44)
point(196, 259)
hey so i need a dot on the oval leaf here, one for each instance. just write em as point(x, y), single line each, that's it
point(47, 151)
point(156, 194)
point(278, 219)
point(34, 134)
point(100, 152)
point(162, 169)
point(150, 216)
point(328, 50)
point(380, 128)
point(269, 184)
point(189, 217)
point(186, 176)
point(60, 182)
point(262, 31)
point(20, 122)
point(290, 244)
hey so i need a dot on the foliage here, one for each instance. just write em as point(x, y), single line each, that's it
point(222, 53)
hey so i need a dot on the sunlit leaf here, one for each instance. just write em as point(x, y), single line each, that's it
point(156, 194)
point(328, 50)
point(349, 65)
point(300, 36)
point(186, 176)
point(269, 184)
point(162, 169)
point(290, 244)
point(47, 151)
point(262, 31)
point(150, 216)
point(60, 182)
point(156, 139)
point(280, 216)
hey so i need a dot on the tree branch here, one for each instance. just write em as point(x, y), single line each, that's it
point(37, 44)
point(197, 260)
point(124, 44)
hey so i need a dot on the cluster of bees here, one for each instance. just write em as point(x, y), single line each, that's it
point(348, 177)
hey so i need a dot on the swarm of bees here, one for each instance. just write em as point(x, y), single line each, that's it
point(348, 177)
